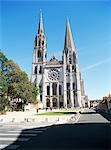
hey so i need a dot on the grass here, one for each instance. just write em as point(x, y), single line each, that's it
point(56, 113)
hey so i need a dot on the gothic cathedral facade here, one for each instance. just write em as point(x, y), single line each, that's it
point(60, 83)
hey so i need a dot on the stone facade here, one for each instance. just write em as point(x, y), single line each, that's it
point(60, 83)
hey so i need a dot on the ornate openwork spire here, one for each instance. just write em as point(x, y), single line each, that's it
point(40, 29)
point(68, 43)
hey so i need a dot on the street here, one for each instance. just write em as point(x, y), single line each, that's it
point(91, 131)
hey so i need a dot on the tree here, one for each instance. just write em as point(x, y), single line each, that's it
point(15, 87)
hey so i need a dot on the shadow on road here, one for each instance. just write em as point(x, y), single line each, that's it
point(82, 136)
point(104, 114)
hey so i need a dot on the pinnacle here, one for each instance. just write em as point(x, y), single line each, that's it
point(40, 29)
point(69, 44)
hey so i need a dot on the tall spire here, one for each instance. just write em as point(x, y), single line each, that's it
point(68, 43)
point(40, 29)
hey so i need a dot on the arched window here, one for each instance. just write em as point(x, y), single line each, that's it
point(39, 54)
point(60, 90)
point(69, 59)
point(40, 88)
point(68, 86)
point(67, 67)
point(35, 71)
point(73, 67)
point(40, 69)
point(74, 57)
point(54, 89)
point(42, 43)
point(73, 85)
point(39, 42)
point(48, 90)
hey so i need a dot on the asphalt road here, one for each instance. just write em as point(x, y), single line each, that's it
point(92, 131)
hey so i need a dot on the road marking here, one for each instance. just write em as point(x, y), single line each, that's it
point(16, 134)
point(14, 139)
point(78, 118)
point(9, 146)
point(25, 131)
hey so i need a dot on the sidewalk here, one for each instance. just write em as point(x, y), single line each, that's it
point(31, 116)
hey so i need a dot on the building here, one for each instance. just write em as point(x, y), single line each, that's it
point(95, 102)
point(60, 82)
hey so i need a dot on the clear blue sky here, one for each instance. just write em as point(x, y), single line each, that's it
point(91, 28)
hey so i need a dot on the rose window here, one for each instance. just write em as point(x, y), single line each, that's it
point(53, 75)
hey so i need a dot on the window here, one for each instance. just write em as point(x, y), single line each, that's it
point(68, 86)
point(48, 90)
point(69, 69)
point(40, 88)
point(72, 67)
point(35, 71)
point(54, 89)
point(40, 70)
point(39, 42)
point(68, 95)
point(41, 98)
point(42, 43)
point(75, 70)
point(74, 57)
point(73, 86)
point(39, 54)
point(69, 60)
point(60, 90)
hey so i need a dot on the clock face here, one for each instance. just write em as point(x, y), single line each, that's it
point(53, 75)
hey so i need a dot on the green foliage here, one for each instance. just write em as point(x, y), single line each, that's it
point(3, 85)
point(15, 85)
point(3, 60)
point(3, 104)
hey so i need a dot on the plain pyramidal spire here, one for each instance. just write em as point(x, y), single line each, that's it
point(40, 29)
point(68, 43)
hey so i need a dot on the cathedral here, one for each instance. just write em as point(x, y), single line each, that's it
point(59, 81)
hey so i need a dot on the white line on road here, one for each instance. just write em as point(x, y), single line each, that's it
point(25, 131)
point(14, 139)
point(16, 134)
point(9, 147)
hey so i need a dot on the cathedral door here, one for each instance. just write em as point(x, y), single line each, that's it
point(54, 102)
point(47, 102)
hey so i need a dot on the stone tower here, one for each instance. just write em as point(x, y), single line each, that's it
point(72, 89)
point(39, 58)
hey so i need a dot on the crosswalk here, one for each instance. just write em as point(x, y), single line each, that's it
point(8, 136)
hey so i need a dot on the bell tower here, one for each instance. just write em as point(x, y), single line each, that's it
point(72, 93)
point(39, 57)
